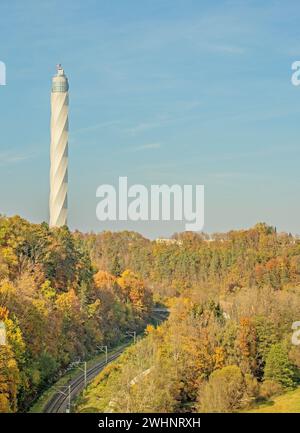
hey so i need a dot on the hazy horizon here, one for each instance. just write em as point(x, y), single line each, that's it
point(162, 234)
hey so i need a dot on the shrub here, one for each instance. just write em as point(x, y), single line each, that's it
point(269, 389)
point(224, 391)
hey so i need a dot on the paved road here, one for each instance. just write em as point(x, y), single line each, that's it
point(60, 401)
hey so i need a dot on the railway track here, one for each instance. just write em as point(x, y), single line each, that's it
point(60, 401)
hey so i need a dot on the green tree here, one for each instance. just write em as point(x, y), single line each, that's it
point(278, 366)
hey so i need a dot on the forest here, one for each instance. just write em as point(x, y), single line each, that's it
point(56, 307)
point(227, 342)
point(202, 360)
point(226, 346)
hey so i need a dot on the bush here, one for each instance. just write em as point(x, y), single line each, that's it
point(224, 391)
point(252, 388)
point(269, 389)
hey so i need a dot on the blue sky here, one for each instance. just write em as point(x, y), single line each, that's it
point(168, 91)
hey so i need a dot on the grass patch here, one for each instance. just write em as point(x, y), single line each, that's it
point(285, 403)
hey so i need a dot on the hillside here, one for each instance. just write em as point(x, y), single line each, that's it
point(202, 361)
point(233, 301)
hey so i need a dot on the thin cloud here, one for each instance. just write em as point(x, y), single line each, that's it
point(96, 127)
point(13, 158)
point(144, 126)
point(226, 49)
point(147, 146)
point(181, 110)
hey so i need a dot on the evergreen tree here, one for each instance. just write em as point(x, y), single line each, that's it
point(278, 366)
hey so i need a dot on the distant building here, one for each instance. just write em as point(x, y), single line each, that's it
point(2, 334)
point(168, 241)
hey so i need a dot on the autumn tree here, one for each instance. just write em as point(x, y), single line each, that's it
point(224, 391)
point(134, 291)
point(246, 343)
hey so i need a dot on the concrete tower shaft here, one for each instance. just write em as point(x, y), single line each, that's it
point(58, 203)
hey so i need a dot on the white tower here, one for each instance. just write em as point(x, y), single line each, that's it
point(59, 149)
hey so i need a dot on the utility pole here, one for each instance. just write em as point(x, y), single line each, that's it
point(69, 389)
point(66, 393)
point(84, 372)
point(132, 334)
point(84, 369)
point(105, 350)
